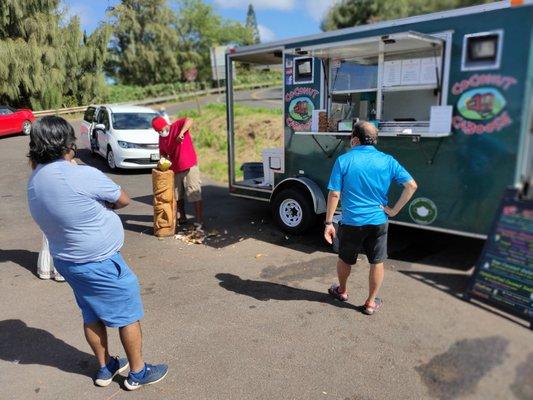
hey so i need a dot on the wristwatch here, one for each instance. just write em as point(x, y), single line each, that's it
point(328, 223)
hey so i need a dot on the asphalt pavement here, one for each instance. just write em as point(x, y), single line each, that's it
point(246, 315)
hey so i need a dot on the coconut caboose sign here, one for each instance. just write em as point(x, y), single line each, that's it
point(450, 93)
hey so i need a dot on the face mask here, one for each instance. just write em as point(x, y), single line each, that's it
point(164, 133)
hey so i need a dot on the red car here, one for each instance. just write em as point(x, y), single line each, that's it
point(14, 120)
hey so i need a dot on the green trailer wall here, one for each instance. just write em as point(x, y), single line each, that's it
point(462, 175)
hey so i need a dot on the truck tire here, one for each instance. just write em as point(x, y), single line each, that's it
point(293, 211)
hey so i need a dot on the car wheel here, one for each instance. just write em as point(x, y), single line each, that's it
point(293, 211)
point(26, 127)
point(111, 159)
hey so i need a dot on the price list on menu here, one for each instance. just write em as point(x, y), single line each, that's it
point(504, 272)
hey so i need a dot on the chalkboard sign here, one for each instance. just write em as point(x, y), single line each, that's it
point(504, 273)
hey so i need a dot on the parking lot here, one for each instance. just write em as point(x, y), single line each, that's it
point(246, 315)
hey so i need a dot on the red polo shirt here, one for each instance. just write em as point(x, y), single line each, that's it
point(182, 155)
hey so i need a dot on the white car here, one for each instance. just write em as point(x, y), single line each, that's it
point(122, 134)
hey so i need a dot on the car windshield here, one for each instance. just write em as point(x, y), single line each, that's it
point(133, 120)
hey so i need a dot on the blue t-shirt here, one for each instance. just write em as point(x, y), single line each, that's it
point(363, 177)
point(67, 202)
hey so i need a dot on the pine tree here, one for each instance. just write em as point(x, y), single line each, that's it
point(199, 29)
point(251, 23)
point(145, 44)
point(45, 63)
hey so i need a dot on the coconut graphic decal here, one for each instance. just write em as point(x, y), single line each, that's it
point(301, 109)
point(481, 104)
point(423, 211)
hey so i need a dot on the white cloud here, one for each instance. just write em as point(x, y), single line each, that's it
point(317, 9)
point(258, 4)
point(266, 34)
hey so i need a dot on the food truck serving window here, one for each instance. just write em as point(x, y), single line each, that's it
point(482, 51)
point(303, 70)
point(397, 81)
point(354, 75)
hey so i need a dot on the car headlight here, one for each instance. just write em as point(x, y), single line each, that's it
point(128, 145)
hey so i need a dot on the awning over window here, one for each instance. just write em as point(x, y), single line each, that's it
point(262, 57)
point(368, 47)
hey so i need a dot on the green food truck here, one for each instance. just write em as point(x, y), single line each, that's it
point(450, 93)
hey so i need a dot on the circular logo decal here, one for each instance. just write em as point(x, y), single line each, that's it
point(481, 104)
point(423, 211)
point(301, 109)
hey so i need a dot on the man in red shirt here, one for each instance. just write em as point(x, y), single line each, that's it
point(175, 143)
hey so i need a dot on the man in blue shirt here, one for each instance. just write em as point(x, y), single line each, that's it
point(72, 204)
point(361, 180)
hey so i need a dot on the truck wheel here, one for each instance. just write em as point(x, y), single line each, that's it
point(111, 160)
point(293, 211)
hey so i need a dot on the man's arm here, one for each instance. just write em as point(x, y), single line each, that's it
point(409, 188)
point(333, 202)
point(123, 201)
point(186, 126)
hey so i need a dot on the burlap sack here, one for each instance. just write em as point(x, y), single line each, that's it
point(164, 203)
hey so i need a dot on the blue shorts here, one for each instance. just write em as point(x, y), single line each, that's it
point(106, 291)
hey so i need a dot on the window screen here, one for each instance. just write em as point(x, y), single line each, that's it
point(482, 51)
point(303, 70)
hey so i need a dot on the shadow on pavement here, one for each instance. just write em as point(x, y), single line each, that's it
point(235, 219)
point(263, 291)
point(22, 344)
point(433, 248)
point(452, 283)
point(144, 226)
point(25, 258)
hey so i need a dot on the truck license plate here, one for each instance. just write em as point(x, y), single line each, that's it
point(154, 157)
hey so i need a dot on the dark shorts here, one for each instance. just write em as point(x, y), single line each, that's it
point(368, 239)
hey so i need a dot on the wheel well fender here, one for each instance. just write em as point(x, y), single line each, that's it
point(310, 186)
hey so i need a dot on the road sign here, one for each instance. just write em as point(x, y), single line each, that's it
point(191, 74)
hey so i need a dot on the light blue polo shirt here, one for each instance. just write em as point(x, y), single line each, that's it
point(67, 202)
point(363, 177)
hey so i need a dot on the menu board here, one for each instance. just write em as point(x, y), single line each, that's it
point(415, 71)
point(504, 272)
point(392, 73)
point(410, 72)
point(428, 70)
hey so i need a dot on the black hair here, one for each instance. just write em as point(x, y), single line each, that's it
point(365, 132)
point(50, 139)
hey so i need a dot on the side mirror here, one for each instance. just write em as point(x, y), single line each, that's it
point(99, 127)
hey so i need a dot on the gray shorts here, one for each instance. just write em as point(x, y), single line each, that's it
point(189, 185)
point(369, 239)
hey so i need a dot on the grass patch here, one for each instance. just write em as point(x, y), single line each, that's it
point(256, 128)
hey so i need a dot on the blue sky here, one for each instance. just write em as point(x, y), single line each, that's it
point(277, 19)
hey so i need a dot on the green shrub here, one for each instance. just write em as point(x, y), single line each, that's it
point(125, 93)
